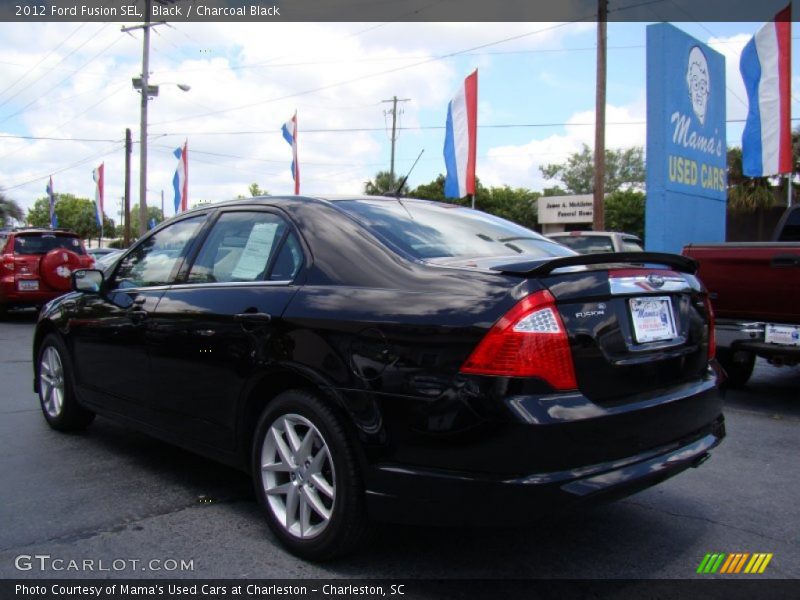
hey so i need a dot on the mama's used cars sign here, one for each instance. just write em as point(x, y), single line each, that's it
point(686, 148)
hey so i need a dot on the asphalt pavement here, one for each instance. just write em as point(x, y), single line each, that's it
point(112, 494)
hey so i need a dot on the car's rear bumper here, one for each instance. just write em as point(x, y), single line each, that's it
point(10, 295)
point(403, 494)
point(562, 450)
point(735, 335)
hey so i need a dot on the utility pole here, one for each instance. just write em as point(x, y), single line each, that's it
point(598, 223)
point(147, 90)
point(394, 102)
point(127, 209)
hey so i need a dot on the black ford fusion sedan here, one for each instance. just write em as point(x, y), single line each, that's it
point(383, 358)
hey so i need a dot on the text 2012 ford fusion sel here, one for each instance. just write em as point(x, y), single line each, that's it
point(384, 358)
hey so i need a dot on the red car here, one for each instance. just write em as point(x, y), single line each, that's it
point(36, 265)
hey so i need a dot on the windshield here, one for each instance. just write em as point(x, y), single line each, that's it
point(42, 243)
point(426, 230)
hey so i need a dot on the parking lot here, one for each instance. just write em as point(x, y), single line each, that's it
point(112, 494)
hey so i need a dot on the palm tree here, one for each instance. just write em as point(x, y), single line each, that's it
point(9, 210)
point(384, 183)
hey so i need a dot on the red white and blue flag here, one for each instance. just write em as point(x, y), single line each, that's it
point(766, 69)
point(180, 181)
point(460, 140)
point(99, 191)
point(289, 131)
point(51, 195)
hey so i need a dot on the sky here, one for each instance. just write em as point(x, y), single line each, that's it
point(535, 101)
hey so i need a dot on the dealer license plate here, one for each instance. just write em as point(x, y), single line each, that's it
point(786, 335)
point(28, 285)
point(652, 319)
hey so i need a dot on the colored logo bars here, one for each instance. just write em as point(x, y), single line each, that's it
point(731, 564)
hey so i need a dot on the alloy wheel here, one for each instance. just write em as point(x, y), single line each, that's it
point(298, 476)
point(51, 382)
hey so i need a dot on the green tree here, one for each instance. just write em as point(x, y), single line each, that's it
point(624, 169)
point(153, 213)
point(514, 204)
point(9, 211)
point(75, 214)
point(746, 194)
point(384, 183)
point(624, 211)
point(254, 190)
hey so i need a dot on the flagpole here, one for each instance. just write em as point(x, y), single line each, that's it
point(789, 189)
point(473, 201)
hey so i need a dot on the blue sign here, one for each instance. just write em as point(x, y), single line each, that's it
point(686, 147)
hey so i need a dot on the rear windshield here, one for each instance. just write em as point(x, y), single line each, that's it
point(425, 230)
point(587, 244)
point(42, 243)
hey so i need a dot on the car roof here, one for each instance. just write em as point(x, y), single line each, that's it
point(289, 199)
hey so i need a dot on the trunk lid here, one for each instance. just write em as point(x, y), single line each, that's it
point(636, 322)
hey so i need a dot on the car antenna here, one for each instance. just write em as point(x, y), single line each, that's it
point(403, 181)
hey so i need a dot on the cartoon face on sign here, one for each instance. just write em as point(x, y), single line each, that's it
point(698, 82)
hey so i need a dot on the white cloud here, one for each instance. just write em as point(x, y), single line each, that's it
point(518, 165)
point(84, 91)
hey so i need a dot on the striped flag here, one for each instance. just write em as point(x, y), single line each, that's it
point(289, 131)
point(766, 69)
point(460, 140)
point(99, 191)
point(180, 181)
point(51, 195)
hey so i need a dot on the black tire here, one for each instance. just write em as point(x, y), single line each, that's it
point(738, 366)
point(3, 312)
point(346, 525)
point(57, 389)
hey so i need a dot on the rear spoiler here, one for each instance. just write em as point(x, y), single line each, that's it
point(607, 260)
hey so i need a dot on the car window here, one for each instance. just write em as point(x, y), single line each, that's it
point(289, 260)
point(239, 248)
point(426, 230)
point(42, 243)
point(587, 244)
point(791, 228)
point(632, 245)
point(155, 261)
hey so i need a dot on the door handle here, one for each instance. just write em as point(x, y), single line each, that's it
point(253, 317)
point(786, 260)
point(138, 315)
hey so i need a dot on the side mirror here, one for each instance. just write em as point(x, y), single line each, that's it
point(87, 280)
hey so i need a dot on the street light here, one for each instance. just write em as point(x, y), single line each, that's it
point(141, 84)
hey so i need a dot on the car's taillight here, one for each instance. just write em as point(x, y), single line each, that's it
point(712, 336)
point(528, 341)
point(8, 262)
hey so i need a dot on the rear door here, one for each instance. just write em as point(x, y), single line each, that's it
point(221, 322)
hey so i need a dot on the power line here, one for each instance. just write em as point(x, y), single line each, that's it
point(24, 108)
point(79, 163)
point(55, 139)
point(22, 89)
point(368, 76)
point(41, 60)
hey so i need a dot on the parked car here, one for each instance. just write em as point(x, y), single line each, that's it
point(755, 292)
point(97, 253)
point(108, 260)
point(391, 359)
point(36, 265)
point(591, 242)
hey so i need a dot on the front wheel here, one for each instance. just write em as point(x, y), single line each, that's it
point(56, 391)
point(306, 477)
